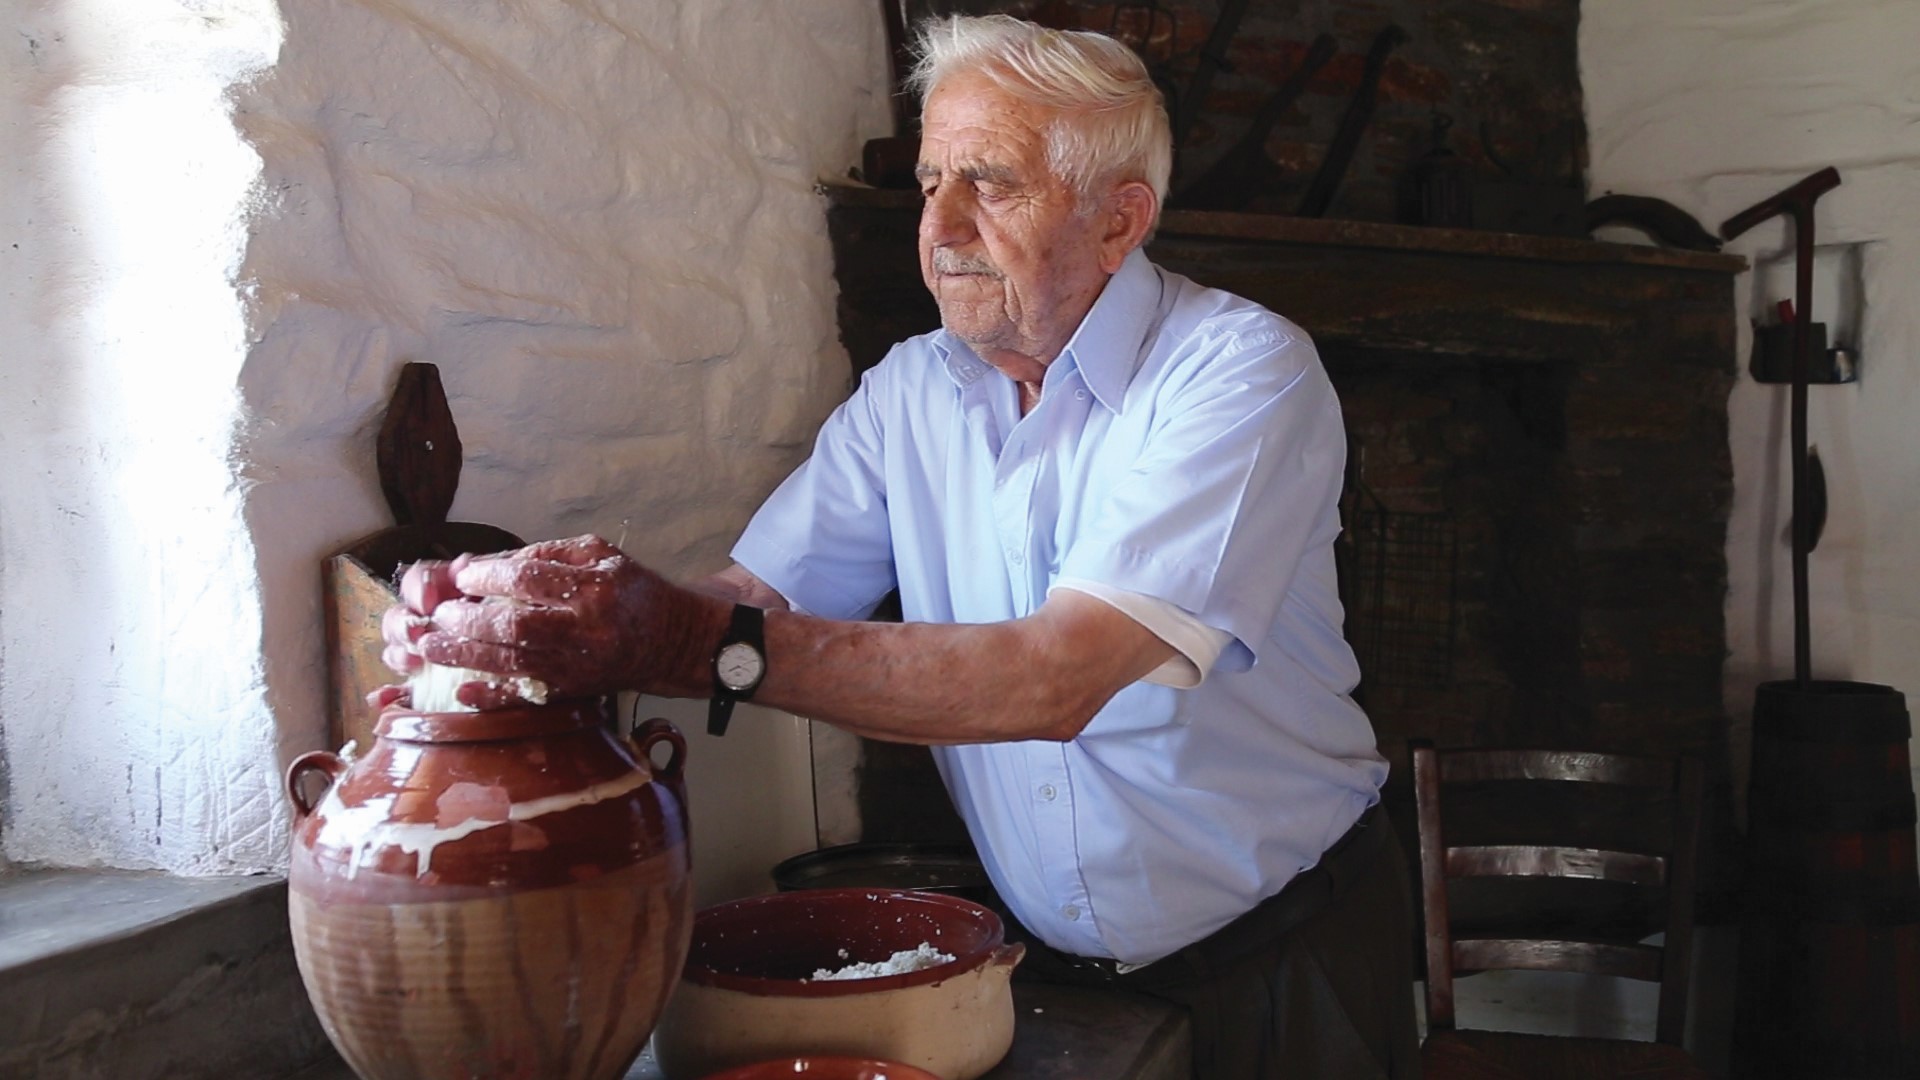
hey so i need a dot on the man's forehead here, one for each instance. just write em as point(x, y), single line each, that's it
point(970, 121)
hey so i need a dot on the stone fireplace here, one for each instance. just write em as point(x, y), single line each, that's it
point(1538, 487)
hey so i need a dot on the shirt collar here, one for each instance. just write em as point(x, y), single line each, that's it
point(1105, 349)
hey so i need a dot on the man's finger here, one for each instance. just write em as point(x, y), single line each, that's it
point(584, 550)
point(451, 650)
point(400, 626)
point(536, 581)
point(428, 584)
point(507, 622)
point(391, 697)
point(402, 660)
point(487, 695)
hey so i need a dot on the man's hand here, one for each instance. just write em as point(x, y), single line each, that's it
point(424, 586)
point(577, 615)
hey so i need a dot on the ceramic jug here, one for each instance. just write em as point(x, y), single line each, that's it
point(492, 894)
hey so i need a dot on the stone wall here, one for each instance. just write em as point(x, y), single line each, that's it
point(600, 223)
point(1504, 71)
point(131, 711)
point(236, 220)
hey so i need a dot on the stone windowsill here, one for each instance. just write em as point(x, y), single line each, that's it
point(146, 975)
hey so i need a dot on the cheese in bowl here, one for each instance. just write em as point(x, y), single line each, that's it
point(914, 977)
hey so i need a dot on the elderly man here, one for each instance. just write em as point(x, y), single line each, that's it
point(1107, 497)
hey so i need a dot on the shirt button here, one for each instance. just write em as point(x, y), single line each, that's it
point(1047, 792)
point(1071, 912)
point(1080, 395)
point(1016, 558)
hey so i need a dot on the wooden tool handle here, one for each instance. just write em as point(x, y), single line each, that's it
point(1796, 200)
point(1346, 137)
point(418, 450)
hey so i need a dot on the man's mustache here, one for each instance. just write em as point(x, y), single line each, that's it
point(952, 262)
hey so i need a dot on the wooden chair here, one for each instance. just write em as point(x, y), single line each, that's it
point(1450, 1052)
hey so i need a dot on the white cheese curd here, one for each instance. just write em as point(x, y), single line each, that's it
point(434, 687)
point(918, 958)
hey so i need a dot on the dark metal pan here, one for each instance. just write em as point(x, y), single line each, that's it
point(944, 868)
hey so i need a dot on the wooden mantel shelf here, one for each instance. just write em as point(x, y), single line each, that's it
point(1361, 289)
point(1321, 232)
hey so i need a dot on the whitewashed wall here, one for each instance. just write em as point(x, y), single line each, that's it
point(1713, 105)
point(598, 219)
point(136, 733)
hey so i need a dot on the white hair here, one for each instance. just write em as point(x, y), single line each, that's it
point(1110, 124)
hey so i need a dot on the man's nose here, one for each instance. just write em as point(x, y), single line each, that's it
point(946, 217)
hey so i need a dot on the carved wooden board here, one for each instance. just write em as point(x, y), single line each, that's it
point(418, 454)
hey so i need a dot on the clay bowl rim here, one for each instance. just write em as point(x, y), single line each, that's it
point(798, 899)
point(489, 725)
point(794, 1066)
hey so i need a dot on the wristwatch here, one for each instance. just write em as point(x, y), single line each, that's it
point(738, 665)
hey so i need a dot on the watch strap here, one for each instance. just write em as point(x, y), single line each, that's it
point(719, 714)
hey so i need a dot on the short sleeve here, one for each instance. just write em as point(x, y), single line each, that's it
point(1196, 645)
point(1238, 480)
point(822, 538)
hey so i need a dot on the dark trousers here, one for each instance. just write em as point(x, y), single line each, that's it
point(1316, 982)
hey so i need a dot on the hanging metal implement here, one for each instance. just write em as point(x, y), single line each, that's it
point(1798, 201)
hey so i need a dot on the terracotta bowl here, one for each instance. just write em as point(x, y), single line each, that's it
point(747, 994)
point(825, 1068)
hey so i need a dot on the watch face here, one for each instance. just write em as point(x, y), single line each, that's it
point(740, 666)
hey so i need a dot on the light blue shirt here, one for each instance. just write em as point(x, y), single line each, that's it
point(1187, 446)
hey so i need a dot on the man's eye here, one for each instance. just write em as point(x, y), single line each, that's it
point(991, 194)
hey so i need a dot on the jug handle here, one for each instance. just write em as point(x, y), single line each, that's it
point(315, 761)
point(652, 733)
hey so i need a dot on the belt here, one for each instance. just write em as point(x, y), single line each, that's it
point(1310, 892)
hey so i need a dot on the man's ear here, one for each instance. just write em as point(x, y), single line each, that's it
point(1131, 210)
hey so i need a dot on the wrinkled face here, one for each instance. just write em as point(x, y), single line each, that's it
point(1012, 264)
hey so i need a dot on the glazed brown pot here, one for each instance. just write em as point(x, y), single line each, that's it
point(493, 894)
point(747, 994)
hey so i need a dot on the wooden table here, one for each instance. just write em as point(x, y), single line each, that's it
point(1069, 1033)
point(1059, 1033)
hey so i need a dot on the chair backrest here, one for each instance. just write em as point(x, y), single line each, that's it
point(1674, 871)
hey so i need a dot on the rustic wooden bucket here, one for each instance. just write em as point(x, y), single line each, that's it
point(1830, 938)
